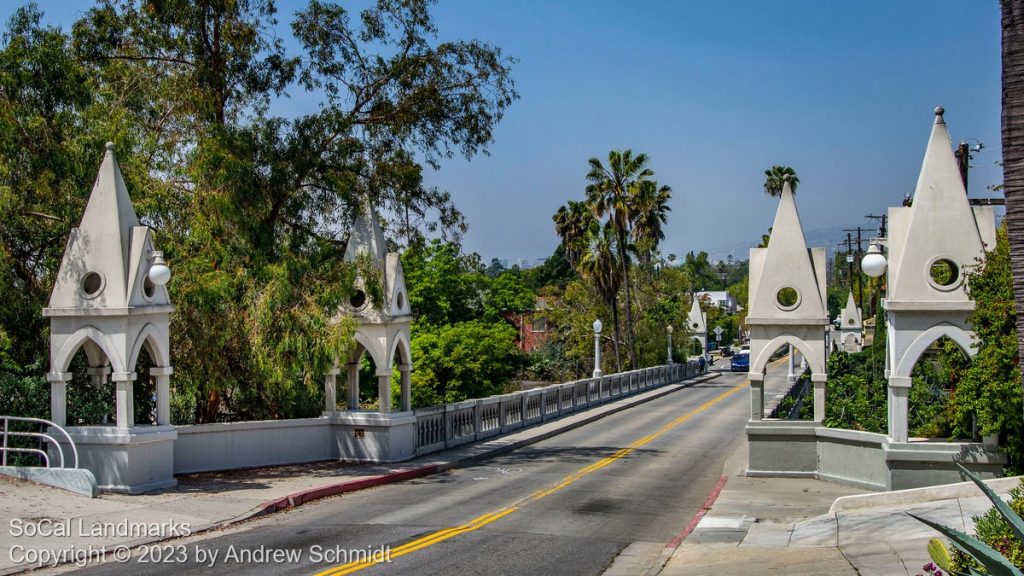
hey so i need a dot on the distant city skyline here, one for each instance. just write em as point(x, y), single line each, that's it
point(715, 94)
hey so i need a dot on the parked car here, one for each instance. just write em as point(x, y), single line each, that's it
point(740, 362)
point(726, 351)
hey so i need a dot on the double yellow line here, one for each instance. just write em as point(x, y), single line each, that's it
point(481, 521)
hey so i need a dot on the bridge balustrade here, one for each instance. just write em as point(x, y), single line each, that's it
point(450, 425)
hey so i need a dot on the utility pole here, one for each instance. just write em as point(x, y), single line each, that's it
point(884, 219)
point(849, 258)
point(860, 285)
point(963, 155)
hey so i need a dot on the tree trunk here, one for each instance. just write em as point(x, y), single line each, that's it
point(618, 335)
point(1013, 148)
point(629, 307)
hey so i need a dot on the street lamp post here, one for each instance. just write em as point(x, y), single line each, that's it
point(669, 330)
point(597, 348)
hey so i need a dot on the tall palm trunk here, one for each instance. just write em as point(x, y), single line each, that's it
point(629, 307)
point(618, 334)
point(1013, 149)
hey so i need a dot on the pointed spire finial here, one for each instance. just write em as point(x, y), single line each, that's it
point(939, 111)
point(110, 146)
point(786, 178)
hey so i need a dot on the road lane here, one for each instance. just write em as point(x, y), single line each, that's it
point(638, 475)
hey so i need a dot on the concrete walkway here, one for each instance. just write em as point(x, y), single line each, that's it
point(208, 501)
point(798, 526)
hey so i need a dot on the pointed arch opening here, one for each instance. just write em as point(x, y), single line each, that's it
point(696, 346)
point(935, 375)
point(91, 399)
point(788, 392)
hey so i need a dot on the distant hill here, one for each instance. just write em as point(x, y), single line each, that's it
point(828, 238)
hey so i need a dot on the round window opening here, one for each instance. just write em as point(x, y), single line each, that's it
point(850, 322)
point(944, 273)
point(358, 299)
point(92, 283)
point(401, 300)
point(695, 325)
point(148, 288)
point(787, 298)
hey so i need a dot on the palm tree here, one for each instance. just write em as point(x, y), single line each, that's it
point(608, 194)
point(572, 224)
point(775, 178)
point(1013, 148)
point(600, 264)
point(698, 271)
point(649, 210)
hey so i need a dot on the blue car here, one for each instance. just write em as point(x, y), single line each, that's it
point(740, 362)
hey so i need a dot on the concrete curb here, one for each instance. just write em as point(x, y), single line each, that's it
point(77, 480)
point(902, 498)
point(312, 494)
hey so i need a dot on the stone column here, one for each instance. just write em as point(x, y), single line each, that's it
point(98, 375)
point(352, 385)
point(819, 380)
point(756, 396)
point(384, 392)
point(791, 376)
point(125, 401)
point(59, 397)
point(331, 390)
point(899, 404)
point(405, 369)
point(163, 393)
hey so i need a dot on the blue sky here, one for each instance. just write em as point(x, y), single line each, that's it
point(715, 93)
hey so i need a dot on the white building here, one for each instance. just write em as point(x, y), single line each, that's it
point(721, 299)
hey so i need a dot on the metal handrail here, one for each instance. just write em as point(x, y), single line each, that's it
point(4, 448)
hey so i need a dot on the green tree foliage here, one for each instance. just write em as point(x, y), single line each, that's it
point(456, 362)
point(661, 300)
point(574, 223)
point(775, 179)
point(555, 272)
point(699, 271)
point(990, 389)
point(462, 345)
point(507, 293)
point(445, 287)
point(856, 395)
point(246, 205)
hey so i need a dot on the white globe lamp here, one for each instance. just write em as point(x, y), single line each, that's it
point(873, 264)
point(159, 273)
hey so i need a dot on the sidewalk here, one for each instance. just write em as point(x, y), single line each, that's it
point(796, 526)
point(208, 501)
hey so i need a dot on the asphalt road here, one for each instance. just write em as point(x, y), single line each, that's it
point(566, 506)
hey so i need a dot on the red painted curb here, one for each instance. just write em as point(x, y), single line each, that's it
point(304, 496)
point(700, 514)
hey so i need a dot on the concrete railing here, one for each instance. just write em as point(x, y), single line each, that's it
point(450, 425)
